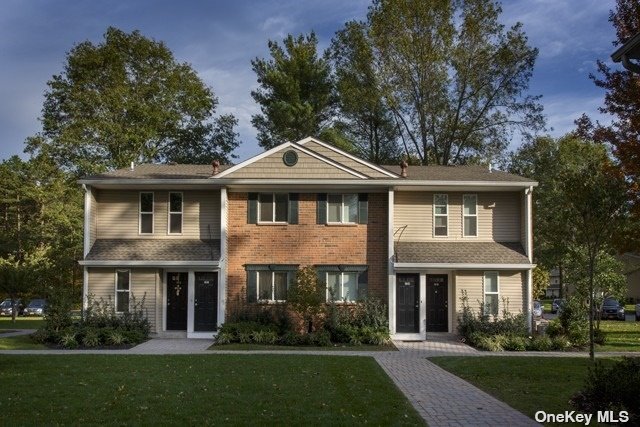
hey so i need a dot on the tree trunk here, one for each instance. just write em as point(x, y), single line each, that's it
point(591, 308)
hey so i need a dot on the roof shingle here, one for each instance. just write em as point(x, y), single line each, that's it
point(461, 253)
point(154, 250)
point(456, 173)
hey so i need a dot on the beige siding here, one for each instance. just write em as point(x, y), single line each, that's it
point(307, 167)
point(344, 160)
point(523, 222)
point(498, 216)
point(117, 215)
point(93, 223)
point(143, 284)
point(510, 285)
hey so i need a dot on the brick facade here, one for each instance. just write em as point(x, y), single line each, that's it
point(305, 243)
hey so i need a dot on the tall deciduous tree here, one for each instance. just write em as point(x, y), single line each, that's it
point(295, 92)
point(622, 101)
point(127, 99)
point(364, 116)
point(455, 79)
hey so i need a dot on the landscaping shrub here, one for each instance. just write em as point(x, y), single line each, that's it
point(560, 343)
point(613, 388)
point(471, 322)
point(540, 343)
point(491, 342)
point(515, 343)
point(554, 328)
point(364, 322)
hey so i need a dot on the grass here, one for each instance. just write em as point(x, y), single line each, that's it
point(249, 347)
point(620, 336)
point(21, 342)
point(200, 389)
point(529, 384)
point(21, 323)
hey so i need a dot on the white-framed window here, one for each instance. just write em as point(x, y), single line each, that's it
point(491, 292)
point(342, 286)
point(273, 207)
point(176, 204)
point(470, 215)
point(440, 215)
point(342, 208)
point(123, 288)
point(272, 285)
point(146, 212)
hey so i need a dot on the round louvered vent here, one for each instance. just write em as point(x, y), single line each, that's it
point(290, 158)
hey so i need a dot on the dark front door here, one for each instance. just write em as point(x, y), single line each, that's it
point(437, 303)
point(407, 303)
point(205, 304)
point(177, 301)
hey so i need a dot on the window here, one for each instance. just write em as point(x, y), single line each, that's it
point(440, 215)
point(342, 208)
point(123, 286)
point(491, 292)
point(342, 286)
point(273, 207)
point(146, 213)
point(175, 213)
point(272, 285)
point(470, 215)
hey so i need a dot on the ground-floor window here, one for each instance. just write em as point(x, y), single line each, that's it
point(342, 286)
point(491, 292)
point(269, 282)
point(123, 287)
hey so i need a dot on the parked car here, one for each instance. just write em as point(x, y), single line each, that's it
point(557, 304)
point(637, 312)
point(538, 310)
point(612, 309)
point(6, 309)
point(35, 307)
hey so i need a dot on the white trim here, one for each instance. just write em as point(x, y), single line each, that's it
point(153, 212)
point(529, 299)
point(85, 288)
point(282, 147)
point(391, 275)
point(151, 263)
point(169, 212)
point(352, 157)
point(191, 333)
point(529, 223)
point(461, 266)
point(222, 273)
point(433, 219)
point(470, 216)
point(485, 293)
point(87, 219)
point(115, 284)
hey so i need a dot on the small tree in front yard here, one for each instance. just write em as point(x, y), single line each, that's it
point(540, 281)
point(306, 295)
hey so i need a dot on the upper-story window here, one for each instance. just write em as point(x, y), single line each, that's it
point(273, 207)
point(175, 212)
point(342, 208)
point(470, 215)
point(440, 215)
point(146, 213)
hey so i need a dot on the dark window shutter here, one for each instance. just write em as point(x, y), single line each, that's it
point(363, 279)
point(252, 208)
point(252, 291)
point(363, 208)
point(293, 208)
point(321, 209)
point(322, 278)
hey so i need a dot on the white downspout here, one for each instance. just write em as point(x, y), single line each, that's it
point(390, 269)
point(87, 243)
point(529, 252)
point(222, 280)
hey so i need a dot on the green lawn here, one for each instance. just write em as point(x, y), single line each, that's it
point(621, 336)
point(21, 323)
point(200, 389)
point(21, 342)
point(529, 384)
point(249, 347)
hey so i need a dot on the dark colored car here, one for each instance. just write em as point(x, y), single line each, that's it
point(35, 307)
point(612, 309)
point(556, 305)
point(6, 309)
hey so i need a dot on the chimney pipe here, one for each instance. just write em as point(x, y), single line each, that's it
point(216, 167)
point(403, 168)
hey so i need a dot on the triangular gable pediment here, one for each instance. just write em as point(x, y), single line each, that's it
point(314, 160)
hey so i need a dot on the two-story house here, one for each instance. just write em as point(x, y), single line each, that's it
point(200, 242)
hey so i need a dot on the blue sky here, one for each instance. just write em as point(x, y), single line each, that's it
point(219, 39)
